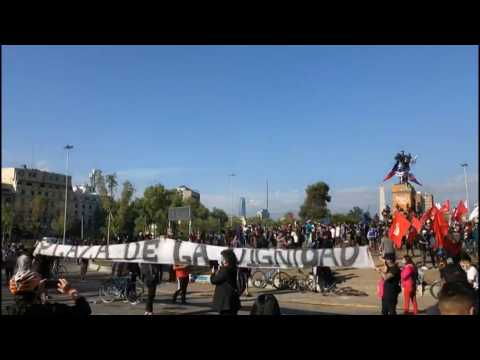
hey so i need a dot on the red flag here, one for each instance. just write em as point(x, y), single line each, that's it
point(412, 232)
point(398, 229)
point(416, 223)
point(426, 215)
point(440, 227)
point(460, 211)
point(446, 206)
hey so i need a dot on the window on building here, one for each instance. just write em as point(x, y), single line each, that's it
point(29, 183)
point(19, 182)
point(23, 192)
point(90, 207)
point(76, 206)
point(46, 194)
point(33, 193)
point(83, 206)
point(42, 185)
point(76, 212)
point(39, 193)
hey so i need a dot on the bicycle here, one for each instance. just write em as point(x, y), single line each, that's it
point(332, 289)
point(278, 279)
point(122, 288)
point(433, 287)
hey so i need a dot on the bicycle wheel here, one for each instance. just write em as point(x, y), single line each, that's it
point(435, 289)
point(311, 285)
point(302, 284)
point(108, 292)
point(259, 279)
point(280, 280)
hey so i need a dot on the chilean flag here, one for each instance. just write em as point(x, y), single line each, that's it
point(412, 178)
point(392, 172)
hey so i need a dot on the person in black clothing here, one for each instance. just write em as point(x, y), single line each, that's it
point(265, 304)
point(152, 275)
point(391, 287)
point(27, 286)
point(226, 298)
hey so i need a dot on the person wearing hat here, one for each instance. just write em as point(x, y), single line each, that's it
point(226, 298)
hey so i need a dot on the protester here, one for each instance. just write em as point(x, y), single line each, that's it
point(182, 274)
point(470, 270)
point(391, 286)
point(456, 299)
point(387, 247)
point(152, 276)
point(409, 284)
point(27, 288)
point(10, 261)
point(243, 276)
point(426, 248)
point(226, 298)
point(83, 268)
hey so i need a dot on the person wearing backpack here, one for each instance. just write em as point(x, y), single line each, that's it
point(226, 298)
point(409, 276)
point(265, 304)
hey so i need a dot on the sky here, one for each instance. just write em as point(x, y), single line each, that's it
point(191, 115)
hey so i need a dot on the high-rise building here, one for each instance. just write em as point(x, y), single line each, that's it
point(243, 210)
point(428, 201)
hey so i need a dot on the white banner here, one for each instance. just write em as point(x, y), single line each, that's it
point(169, 251)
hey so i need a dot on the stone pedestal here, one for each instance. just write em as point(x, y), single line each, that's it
point(403, 195)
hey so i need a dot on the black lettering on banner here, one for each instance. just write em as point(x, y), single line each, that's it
point(257, 260)
point(328, 253)
point(200, 252)
point(127, 247)
point(55, 250)
point(349, 262)
point(149, 253)
point(313, 261)
point(284, 261)
point(176, 251)
point(240, 259)
point(102, 249)
point(295, 257)
point(84, 251)
point(74, 250)
point(267, 260)
point(251, 263)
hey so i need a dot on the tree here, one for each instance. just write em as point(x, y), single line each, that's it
point(57, 225)
point(220, 217)
point(7, 222)
point(100, 186)
point(356, 214)
point(288, 218)
point(155, 206)
point(111, 181)
point(125, 218)
point(39, 207)
point(315, 204)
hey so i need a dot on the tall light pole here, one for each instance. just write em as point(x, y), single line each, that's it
point(466, 185)
point(231, 192)
point(67, 147)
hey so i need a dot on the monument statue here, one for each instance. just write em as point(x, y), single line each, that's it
point(401, 169)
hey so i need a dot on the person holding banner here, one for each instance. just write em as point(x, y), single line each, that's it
point(226, 298)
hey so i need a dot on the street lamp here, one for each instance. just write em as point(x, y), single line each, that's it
point(466, 186)
point(231, 191)
point(67, 147)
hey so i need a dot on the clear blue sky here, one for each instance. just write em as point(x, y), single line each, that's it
point(297, 114)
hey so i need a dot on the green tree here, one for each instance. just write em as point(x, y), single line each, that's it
point(100, 186)
point(7, 222)
point(39, 207)
point(155, 207)
point(220, 217)
point(126, 213)
point(315, 204)
point(112, 183)
point(57, 225)
point(356, 214)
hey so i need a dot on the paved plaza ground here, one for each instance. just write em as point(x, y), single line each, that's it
point(199, 297)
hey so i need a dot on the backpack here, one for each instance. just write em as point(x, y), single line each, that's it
point(265, 304)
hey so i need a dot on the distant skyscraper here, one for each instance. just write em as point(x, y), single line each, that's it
point(243, 210)
point(381, 205)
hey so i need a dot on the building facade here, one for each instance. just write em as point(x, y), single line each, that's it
point(263, 214)
point(188, 193)
point(419, 202)
point(29, 186)
point(428, 201)
point(243, 208)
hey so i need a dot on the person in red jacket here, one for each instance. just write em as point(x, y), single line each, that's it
point(409, 280)
point(182, 274)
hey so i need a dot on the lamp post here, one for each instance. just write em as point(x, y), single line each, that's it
point(466, 185)
point(231, 192)
point(67, 147)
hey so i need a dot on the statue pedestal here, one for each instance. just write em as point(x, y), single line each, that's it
point(403, 195)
